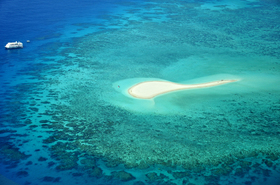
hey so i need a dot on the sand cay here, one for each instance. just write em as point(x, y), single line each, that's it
point(151, 89)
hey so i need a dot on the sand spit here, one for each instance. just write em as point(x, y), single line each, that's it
point(151, 89)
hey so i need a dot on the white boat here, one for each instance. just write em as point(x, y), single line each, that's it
point(12, 45)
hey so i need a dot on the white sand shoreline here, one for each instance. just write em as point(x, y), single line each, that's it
point(151, 89)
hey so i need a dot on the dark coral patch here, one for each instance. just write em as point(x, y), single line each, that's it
point(77, 174)
point(123, 176)
point(29, 163)
point(12, 152)
point(96, 172)
point(51, 164)
point(51, 179)
point(42, 159)
point(22, 174)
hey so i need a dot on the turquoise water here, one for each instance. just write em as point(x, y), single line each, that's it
point(66, 116)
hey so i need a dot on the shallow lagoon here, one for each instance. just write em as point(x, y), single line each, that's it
point(65, 121)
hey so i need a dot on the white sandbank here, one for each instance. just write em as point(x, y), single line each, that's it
point(151, 89)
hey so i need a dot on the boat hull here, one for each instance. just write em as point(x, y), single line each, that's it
point(14, 45)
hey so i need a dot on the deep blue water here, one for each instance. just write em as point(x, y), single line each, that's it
point(66, 116)
point(27, 20)
point(43, 22)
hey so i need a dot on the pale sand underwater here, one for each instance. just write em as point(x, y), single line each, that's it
point(197, 95)
point(151, 89)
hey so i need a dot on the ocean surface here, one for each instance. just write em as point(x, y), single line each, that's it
point(66, 117)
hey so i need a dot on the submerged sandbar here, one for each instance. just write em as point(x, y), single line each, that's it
point(151, 89)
